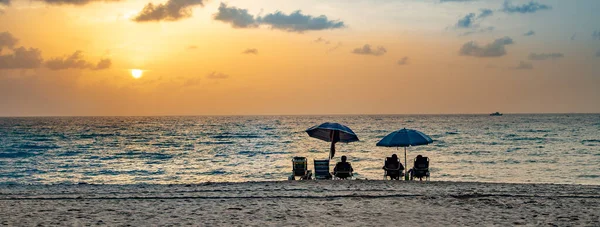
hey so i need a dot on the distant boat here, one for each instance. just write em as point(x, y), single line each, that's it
point(496, 114)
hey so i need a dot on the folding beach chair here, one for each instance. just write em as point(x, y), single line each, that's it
point(392, 169)
point(420, 169)
point(300, 169)
point(322, 169)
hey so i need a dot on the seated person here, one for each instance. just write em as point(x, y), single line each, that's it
point(420, 169)
point(343, 169)
point(393, 167)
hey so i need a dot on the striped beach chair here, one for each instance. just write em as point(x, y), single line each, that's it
point(300, 169)
point(322, 169)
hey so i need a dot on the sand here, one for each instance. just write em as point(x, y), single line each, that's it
point(296, 203)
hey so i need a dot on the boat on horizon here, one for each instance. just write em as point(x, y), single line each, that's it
point(496, 114)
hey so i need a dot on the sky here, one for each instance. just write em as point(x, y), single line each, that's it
point(290, 57)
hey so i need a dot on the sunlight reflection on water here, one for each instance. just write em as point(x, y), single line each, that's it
point(125, 150)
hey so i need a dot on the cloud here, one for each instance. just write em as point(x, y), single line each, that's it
point(469, 20)
point(482, 30)
point(485, 13)
point(72, 61)
point(321, 40)
point(494, 49)
point(298, 22)
point(466, 22)
point(294, 22)
point(524, 66)
point(250, 51)
point(367, 50)
point(192, 47)
point(22, 58)
point(596, 35)
point(337, 46)
point(63, 2)
point(530, 7)
point(76, 61)
point(529, 33)
point(403, 61)
point(442, 1)
point(541, 57)
point(238, 18)
point(173, 10)
point(217, 76)
point(7, 40)
point(103, 64)
point(73, 2)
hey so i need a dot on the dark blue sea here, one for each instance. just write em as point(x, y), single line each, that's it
point(545, 148)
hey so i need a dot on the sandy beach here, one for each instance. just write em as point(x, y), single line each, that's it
point(314, 203)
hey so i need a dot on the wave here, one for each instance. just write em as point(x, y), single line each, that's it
point(254, 153)
point(239, 136)
point(167, 144)
point(18, 154)
point(69, 153)
point(540, 161)
point(513, 149)
point(589, 176)
point(590, 141)
point(215, 172)
point(534, 130)
point(216, 142)
point(472, 152)
point(95, 135)
point(141, 155)
point(30, 146)
point(125, 172)
point(511, 161)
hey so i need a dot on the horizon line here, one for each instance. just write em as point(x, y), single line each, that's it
point(250, 115)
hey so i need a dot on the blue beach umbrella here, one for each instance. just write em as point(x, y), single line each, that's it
point(405, 138)
point(332, 132)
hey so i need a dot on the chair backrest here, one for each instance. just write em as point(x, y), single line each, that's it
point(299, 165)
point(322, 169)
point(344, 168)
point(391, 163)
point(422, 163)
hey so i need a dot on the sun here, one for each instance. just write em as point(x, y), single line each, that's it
point(136, 73)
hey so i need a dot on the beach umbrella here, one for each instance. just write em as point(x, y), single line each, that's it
point(405, 138)
point(332, 132)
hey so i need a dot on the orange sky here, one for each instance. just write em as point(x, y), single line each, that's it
point(195, 64)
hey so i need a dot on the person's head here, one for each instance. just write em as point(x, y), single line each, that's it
point(419, 156)
point(344, 158)
point(394, 156)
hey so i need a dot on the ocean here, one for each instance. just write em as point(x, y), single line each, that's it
point(527, 148)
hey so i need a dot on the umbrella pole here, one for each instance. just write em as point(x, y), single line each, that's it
point(406, 165)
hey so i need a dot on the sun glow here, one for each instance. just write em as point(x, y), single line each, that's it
point(136, 73)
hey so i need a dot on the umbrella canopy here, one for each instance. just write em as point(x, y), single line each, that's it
point(332, 132)
point(405, 138)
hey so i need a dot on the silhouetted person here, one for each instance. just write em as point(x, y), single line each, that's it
point(343, 169)
point(393, 167)
point(420, 168)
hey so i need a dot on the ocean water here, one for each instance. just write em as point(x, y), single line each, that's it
point(172, 150)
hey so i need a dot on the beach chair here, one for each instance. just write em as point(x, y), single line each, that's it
point(300, 169)
point(390, 169)
point(322, 169)
point(420, 169)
